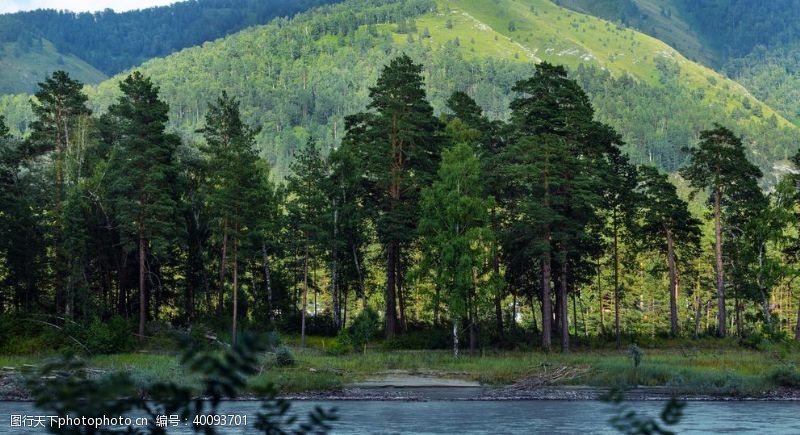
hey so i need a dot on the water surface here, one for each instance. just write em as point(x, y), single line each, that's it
point(502, 417)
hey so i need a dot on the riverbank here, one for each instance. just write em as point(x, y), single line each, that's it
point(707, 371)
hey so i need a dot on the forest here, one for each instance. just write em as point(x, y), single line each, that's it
point(450, 228)
point(130, 38)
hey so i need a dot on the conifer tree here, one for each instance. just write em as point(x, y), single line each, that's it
point(308, 209)
point(398, 143)
point(59, 107)
point(718, 165)
point(554, 163)
point(235, 191)
point(141, 176)
point(666, 225)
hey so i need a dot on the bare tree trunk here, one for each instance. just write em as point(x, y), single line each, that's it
point(337, 314)
point(616, 282)
point(235, 290)
point(455, 338)
point(797, 325)
point(360, 277)
point(142, 287)
point(305, 298)
point(268, 281)
point(547, 315)
point(436, 297)
point(221, 291)
point(390, 318)
point(562, 296)
point(602, 302)
point(673, 285)
point(401, 292)
point(721, 315)
point(498, 296)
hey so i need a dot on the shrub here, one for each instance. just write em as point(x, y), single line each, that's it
point(364, 328)
point(636, 354)
point(274, 340)
point(786, 375)
point(342, 344)
point(284, 357)
point(98, 338)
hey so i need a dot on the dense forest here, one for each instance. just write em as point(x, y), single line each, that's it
point(753, 42)
point(113, 42)
point(293, 79)
point(534, 230)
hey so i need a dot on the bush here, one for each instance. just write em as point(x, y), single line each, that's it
point(364, 328)
point(284, 357)
point(98, 338)
point(786, 375)
point(636, 354)
point(342, 344)
point(274, 340)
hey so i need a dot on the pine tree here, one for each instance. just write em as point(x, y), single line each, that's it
point(620, 204)
point(235, 191)
point(60, 110)
point(666, 225)
point(308, 209)
point(398, 143)
point(718, 165)
point(141, 176)
point(554, 163)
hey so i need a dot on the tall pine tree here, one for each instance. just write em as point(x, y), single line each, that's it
point(666, 224)
point(60, 110)
point(235, 192)
point(398, 143)
point(719, 166)
point(141, 177)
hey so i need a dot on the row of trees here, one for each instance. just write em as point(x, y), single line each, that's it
point(454, 216)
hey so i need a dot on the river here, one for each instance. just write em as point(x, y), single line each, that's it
point(502, 417)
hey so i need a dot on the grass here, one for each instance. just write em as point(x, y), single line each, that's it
point(710, 367)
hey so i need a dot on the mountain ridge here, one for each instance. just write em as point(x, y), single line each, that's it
point(295, 77)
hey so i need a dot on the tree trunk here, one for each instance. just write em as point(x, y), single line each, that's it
point(337, 318)
point(616, 282)
point(436, 297)
point(721, 317)
point(235, 290)
point(547, 315)
point(498, 296)
point(268, 281)
point(390, 317)
point(797, 325)
point(455, 338)
point(673, 285)
point(602, 302)
point(401, 292)
point(305, 298)
point(564, 304)
point(142, 295)
point(221, 291)
point(360, 277)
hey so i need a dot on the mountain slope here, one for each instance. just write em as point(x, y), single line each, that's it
point(112, 42)
point(302, 77)
point(26, 58)
point(756, 43)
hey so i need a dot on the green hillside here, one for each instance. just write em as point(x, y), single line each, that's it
point(755, 43)
point(301, 77)
point(26, 59)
